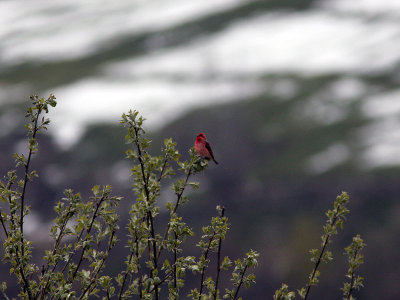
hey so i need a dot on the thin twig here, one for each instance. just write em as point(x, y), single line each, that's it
point(218, 260)
point(179, 197)
point(8, 188)
point(96, 273)
point(352, 279)
point(78, 239)
point(56, 245)
point(14, 225)
point(326, 241)
point(26, 179)
point(87, 232)
point(136, 253)
point(175, 259)
point(138, 270)
point(3, 224)
point(4, 295)
point(163, 168)
point(240, 283)
point(169, 274)
point(149, 213)
point(126, 274)
point(204, 267)
point(26, 176)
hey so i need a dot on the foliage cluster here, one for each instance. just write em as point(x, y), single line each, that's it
point(335, 220)
point(85, 231)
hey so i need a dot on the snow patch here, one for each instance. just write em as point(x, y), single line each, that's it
point(329, 158)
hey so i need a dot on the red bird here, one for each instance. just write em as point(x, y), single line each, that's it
point(203, 148)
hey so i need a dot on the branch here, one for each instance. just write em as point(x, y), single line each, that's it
point(179, 197)
point(20, 262)
point(4, 295)
point(3, 225)
point(8, 188)
point(87, 232)
point(126, 275)
point(21, 220)
point(56, 245)
point(205, 253)
point(175, 258)
point(96, 273)
point(26, 176)
point(218, 260)
point(326, 241)
point(14, 225)
point(348, 296)
point(163, 167)
point(138, 272)
point(240, 283)
point(149, 213)
point(168, 275)
point(78, 239)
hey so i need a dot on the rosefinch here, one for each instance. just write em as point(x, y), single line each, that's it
point(203, 148)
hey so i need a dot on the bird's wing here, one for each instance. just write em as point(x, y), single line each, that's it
point(208, 147)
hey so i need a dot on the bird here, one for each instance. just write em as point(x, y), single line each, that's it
point(203, 148)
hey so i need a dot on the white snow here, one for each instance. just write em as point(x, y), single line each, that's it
point(331, 157)
point(59, 29)
point(160, 101)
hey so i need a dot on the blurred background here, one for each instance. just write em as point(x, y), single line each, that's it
point(299, 100)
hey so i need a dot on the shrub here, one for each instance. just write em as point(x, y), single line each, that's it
point(85, 230)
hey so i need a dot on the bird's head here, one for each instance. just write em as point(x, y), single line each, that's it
point(201, 136)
